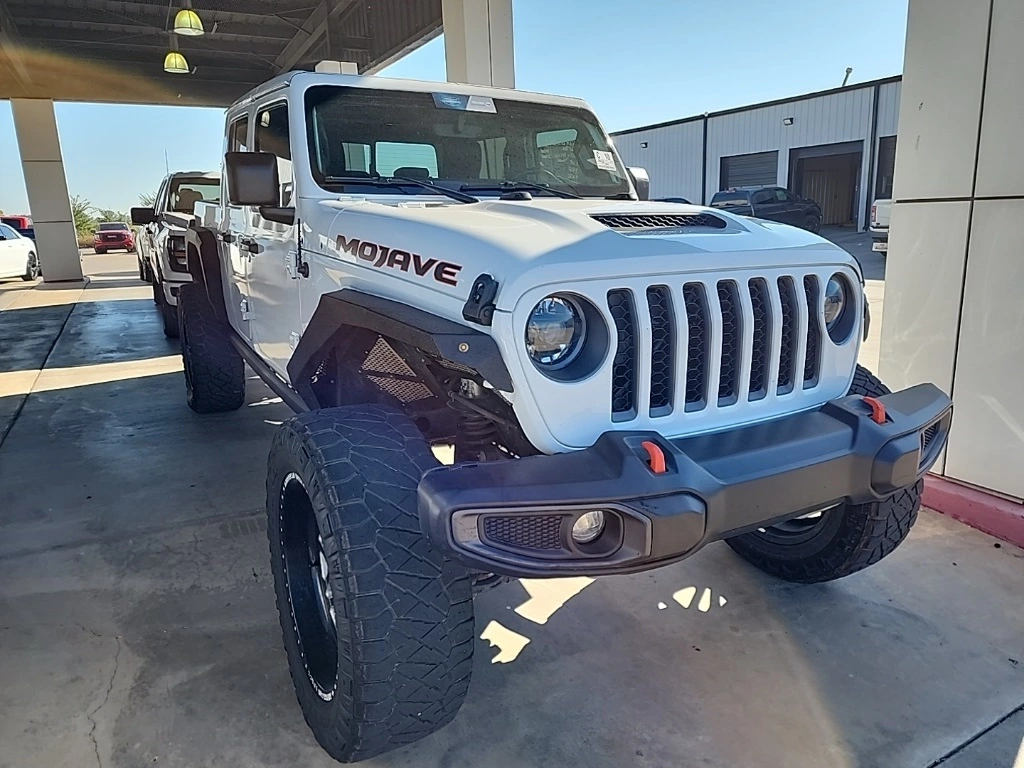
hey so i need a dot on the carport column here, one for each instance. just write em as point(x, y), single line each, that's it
point(478, 42)
point(36, 127)
point(954, 269)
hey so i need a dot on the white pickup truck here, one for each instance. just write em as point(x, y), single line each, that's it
point(880, 212)
point(409, 264)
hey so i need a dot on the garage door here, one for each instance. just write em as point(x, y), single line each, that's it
point(757, 170)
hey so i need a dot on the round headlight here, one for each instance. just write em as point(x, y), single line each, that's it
point(836, 299)
point(554, 332)
point(588, 526)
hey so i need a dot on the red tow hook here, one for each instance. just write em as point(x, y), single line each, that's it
point(655, 457)
point(877, 410)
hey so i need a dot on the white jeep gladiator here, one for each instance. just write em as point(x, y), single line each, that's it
point(409, 265)
point(161, 245)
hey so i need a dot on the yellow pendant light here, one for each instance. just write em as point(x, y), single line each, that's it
point(187, 22)
point(175, 63)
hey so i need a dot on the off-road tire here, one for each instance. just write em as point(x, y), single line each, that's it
point(403, 631)
point(848, 538)
point(214, 371)
point(169, 318)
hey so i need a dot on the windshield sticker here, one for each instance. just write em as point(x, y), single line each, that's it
point(605, 160)
point(464, 103)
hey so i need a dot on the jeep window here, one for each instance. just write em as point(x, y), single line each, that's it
point(363, 131)
point(184, 193)
point(728, 199)
point(272, 135)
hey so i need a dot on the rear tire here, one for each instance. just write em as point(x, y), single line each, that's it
point(214, 371)
point(842, 540)
point(31, 268)
point(377, 624)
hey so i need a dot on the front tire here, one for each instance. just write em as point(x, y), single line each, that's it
point(214, 371)
point(377, 624)
point(838, 541)
point(168, 312)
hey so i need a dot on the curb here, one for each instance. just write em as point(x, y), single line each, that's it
point(992, 514)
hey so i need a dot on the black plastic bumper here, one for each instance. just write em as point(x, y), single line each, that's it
point(515, 517)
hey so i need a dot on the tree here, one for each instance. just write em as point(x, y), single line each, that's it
point(106, 214)
point(148, 199)
point(81, 212)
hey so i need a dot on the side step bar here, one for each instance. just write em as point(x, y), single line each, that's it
point(280, 387)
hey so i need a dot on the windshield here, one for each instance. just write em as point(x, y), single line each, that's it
point(112, 226)
point(726, 199)
point(185, 193)
point(456, 140)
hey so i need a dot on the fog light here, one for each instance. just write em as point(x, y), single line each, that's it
point(588, 527)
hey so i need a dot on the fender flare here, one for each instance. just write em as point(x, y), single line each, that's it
point(436, 336)
point(203, 260)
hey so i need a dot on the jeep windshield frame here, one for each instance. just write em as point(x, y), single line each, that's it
point(370, 133)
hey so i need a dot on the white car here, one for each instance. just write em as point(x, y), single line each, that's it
point(881, 211)
point(18, 257)
point(624, 381)
point(162, 242)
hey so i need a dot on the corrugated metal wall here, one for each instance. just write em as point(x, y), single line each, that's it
point(672, 157)
point(673, 152)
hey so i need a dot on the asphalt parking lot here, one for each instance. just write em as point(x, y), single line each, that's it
point(137, 622)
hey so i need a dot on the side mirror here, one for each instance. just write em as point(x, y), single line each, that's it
point(252, 179)
point(641, 181)
point(143, 216)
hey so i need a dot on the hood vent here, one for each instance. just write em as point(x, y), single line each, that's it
point(636, 221)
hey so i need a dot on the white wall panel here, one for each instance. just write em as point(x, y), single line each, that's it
point(672, 157)
point(889, 108)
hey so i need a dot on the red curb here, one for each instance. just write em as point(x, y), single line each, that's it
point(994, 515)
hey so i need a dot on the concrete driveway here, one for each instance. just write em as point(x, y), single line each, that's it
point(137, 622)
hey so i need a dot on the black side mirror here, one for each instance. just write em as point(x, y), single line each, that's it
point(641, 181)
point(252, 179)
point(143, 216)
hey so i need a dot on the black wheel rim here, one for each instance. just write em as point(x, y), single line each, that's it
point(309, 590)
point(799, 529)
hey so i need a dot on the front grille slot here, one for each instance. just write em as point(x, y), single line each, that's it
point(524, 531)
point(812, 361)
point(659, 303)
point(698, 346)
point(732, 342)
point(659, 221)
point(624, 365)
point(788, 346)
point(928, 436)
point(761, 307)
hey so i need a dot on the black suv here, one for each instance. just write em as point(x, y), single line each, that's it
point(773, 203)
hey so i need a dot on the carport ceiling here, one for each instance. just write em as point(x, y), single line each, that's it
point(112, 50)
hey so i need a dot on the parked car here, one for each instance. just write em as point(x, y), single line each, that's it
point(613, 406)
point(772, 203)
point(162, 250)
point(18, 256)
point(880, 212)
point(113, 236)
point(21, 224)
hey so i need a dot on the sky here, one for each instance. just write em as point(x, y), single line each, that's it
point(636, 62)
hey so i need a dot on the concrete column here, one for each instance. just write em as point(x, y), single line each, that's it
point(954, 298)
point(478, 42)
point(36, 127)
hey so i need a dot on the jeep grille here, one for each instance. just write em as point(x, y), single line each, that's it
point(742, 343)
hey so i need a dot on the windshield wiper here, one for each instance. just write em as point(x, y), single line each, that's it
point(513, 185)
point(398, 182)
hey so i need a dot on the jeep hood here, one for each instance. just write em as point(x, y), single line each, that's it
point(524, 244)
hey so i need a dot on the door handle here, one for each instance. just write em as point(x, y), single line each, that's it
point(249, 244)
point(227, 237)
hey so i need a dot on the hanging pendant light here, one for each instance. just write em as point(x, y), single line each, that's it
point(187, 22)
point(175, 63)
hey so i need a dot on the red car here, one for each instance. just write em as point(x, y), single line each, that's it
point(113, 235)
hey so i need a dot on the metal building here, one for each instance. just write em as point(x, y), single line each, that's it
point(837, 147)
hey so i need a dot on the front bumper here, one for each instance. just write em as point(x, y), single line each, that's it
point(515, 517)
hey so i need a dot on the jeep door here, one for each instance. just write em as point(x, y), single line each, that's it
point(235, 259)
point(273, 285)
